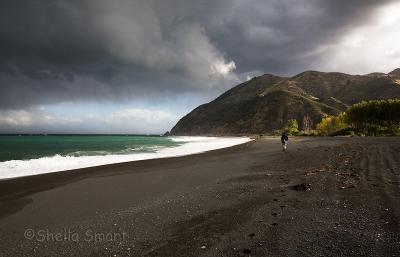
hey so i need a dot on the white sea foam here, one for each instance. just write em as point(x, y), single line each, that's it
point(20, 168)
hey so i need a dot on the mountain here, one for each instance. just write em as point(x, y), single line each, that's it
point(265, 103)
point(395, 72)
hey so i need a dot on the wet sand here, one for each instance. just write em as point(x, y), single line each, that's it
point(237, 201)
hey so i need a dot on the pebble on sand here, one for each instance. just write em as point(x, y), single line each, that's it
point(302, 187)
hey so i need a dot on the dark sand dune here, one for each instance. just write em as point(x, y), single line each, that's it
point(238, 201)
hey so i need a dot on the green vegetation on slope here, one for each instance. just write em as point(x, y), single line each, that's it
point(374, 117)
point(264, 104)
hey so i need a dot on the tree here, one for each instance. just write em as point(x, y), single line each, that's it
point(292, 127)
point(375, 113)
point(373, 117)
point(331, 124)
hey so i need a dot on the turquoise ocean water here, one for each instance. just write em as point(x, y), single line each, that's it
point(26, 147)
point(28, 155)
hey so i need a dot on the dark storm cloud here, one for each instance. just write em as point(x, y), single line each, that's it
point(53, 51)
point(281, 36)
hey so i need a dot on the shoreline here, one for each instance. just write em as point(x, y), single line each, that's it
point(44, 181)
point(235, 201)
point(51, 164)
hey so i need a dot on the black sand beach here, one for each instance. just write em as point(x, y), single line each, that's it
point(237, 201)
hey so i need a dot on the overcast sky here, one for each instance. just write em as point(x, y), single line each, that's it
point(137, 66)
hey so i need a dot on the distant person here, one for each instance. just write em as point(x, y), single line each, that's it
point(284, 139)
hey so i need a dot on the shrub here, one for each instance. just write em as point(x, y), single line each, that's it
point(375, 114)
point(344, 132)
point(332, 124)
point(376, 117)
point(292, 127)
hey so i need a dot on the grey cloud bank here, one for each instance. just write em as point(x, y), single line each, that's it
point(54, 51)
point(124, 121)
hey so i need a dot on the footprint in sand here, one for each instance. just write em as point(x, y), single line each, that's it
point(246, 251)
